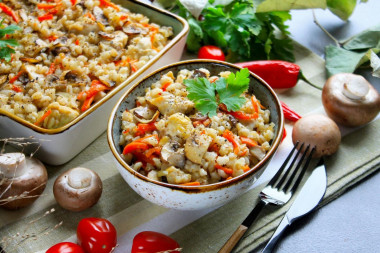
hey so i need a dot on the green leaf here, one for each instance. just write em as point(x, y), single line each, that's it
point(369, 38)
point(8, 30)
point(6, 53)
point(340, 60)
point(231, 89)
point(195, 36)
point(286, 5)
point(341, 8)
point(202, 93)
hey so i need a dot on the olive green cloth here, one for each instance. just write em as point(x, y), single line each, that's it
point(32, 229)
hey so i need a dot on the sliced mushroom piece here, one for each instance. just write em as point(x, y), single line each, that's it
point(106, 36)
point(132, 30)
point(198, 117)
point(30, 60)
point(57, 50)
point(77, 189)
point(69, 76)
point(173, 154)
point(198, 73)
point(257, 152)
point(23, 180)
point(196, 146)
point(31, 70)
point(99, 16)
point(145, 115)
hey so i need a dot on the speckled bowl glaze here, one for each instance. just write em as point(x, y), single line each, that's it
point(192, 197)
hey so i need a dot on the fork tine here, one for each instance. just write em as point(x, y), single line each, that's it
point(278, 173)
point(302, 173)
point(281, 183)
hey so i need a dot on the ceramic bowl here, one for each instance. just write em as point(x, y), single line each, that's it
point(60, 145)
point(192, 197)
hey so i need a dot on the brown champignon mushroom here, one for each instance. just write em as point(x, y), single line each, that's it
point(77, 189)
point(350, 99)
point(317, 130)
point(145, 115)
point(23, 179)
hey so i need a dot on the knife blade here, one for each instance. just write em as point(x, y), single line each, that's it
point(308, 198)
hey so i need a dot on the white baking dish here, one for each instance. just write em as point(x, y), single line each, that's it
point(62, 144)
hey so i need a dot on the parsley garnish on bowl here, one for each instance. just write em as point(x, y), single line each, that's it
point(228, 91)
point(7, 45)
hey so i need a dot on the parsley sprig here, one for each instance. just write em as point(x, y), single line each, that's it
point(228, 91)
point(7, 45)
point(240, 31)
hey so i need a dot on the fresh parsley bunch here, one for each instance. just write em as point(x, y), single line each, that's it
point(241, 32)
point(228, 91)
point(7, 45)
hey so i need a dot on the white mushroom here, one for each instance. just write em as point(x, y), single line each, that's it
point(173, 154)
point(77, 189)
point(350, 99)
point(23, 179)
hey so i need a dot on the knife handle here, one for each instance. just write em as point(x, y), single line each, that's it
point(230, 244)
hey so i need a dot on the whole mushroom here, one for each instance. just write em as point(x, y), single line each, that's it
point(350, 99)
point(77, 189)
point(317, 130)
point(22, 180)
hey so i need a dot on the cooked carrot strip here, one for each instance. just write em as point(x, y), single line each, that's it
point(228, 171)
point(43, 6)
point(231, 138)
point(13, 79)
point(43, 117)
point(17, 88)
point(105, 3)
point(152, 151)
point(246, 168)
point(133, 146)
point(8, 10)
point(166, 85)
point(191, 184)
point(239, 115)
point(206, 122)
point(73, 2)
point(51, 69)
point(47, 16)
point(249, 142)
point(87, 103)
point(76, 42)
point(142, 128)
point(52, 38)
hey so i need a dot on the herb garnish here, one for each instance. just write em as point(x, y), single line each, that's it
point(207, 96)
point(7, 45)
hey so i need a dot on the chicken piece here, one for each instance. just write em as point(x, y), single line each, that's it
point(196, 146)
point(179, 126)
point(177, 176)
point(60, 116)
point(169, 104)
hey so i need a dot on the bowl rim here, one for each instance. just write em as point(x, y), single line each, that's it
point(109, 95)
point(198, 188)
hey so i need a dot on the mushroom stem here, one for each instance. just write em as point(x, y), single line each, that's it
point(12, 164)
point(79, 178)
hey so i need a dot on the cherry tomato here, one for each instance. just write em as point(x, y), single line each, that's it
point(152, 242)
point(96, 235)
point(65, 247)
point(211, 52)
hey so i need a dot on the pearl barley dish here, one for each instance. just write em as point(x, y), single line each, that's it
point(166, 138)
point(70, 55)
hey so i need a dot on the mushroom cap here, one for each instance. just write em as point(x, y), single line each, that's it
point(317, 130)
point(350, 99)
point(77, 189)
point(25, 187)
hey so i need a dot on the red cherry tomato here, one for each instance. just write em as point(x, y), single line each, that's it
point(152, 242)
point(65, 247)
point(211, 52)
point(96, 235)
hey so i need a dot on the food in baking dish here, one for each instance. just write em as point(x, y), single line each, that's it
point(70, 54)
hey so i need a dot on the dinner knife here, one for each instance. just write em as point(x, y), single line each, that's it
point(308, 198)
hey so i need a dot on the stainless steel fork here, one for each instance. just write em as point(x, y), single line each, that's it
point(278, 191)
